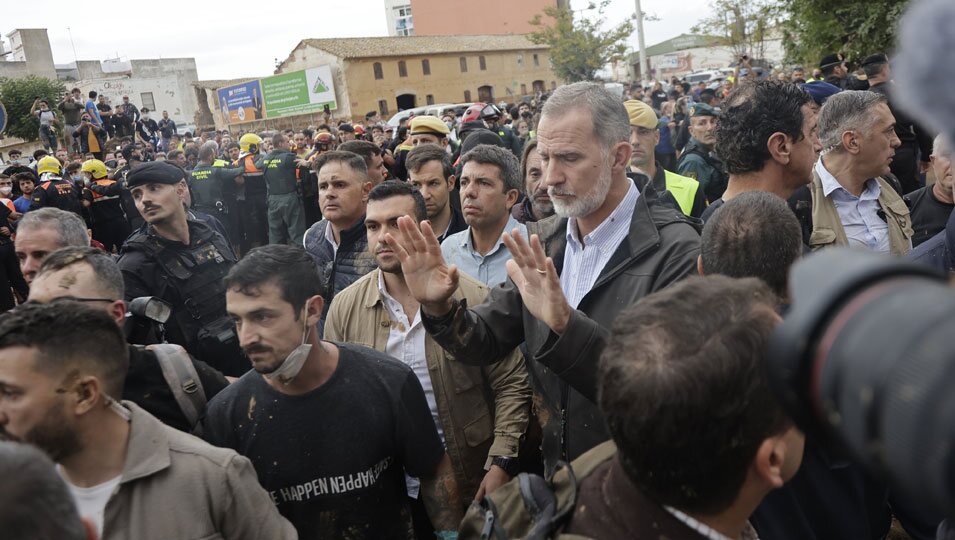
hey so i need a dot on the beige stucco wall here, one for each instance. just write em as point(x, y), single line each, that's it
point(446, 82)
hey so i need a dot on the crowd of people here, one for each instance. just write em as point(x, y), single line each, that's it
point(354, 330)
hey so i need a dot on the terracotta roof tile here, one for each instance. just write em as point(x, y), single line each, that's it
point(372, 47)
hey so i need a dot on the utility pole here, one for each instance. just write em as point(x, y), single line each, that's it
point(644, 69)
point(75, 61)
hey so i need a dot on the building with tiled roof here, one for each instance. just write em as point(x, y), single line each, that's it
point(388, 74)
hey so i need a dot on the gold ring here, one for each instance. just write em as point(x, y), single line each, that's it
point(539, 271)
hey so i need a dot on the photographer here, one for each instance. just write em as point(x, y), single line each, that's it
point(91, 137)
point(147, 128)
point(48, 121)
point(72, 107)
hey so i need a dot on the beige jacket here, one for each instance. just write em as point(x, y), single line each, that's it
point(827, 227)
point(175, 486)
point(472, 437)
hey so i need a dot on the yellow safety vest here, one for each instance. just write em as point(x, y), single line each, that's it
point(683, 189)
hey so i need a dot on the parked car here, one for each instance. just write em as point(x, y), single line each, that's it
point(433, 110)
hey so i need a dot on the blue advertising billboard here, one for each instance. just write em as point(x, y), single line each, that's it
point(242, 102)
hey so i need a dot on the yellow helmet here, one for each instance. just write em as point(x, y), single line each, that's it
point(250, 142)
point(48, 164)
point(96, 168)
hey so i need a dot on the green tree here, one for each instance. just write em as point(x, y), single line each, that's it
point(18, 95)
point(857, 28)
point(580, 47)
point(743, 25)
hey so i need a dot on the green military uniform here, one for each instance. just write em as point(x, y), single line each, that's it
point(213, 193)
point(208, 184)
point(286, 215)
point(700, 162)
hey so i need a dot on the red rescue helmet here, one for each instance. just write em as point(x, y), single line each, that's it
point(481, 111)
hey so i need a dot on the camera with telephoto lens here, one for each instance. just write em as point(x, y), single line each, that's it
point(864, 363)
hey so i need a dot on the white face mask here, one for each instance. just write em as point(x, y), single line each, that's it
point(145, 116)
point(295, 361)
point(6, 190)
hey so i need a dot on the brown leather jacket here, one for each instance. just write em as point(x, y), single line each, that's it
point(473, 436)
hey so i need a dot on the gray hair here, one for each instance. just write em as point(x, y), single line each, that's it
point(610, 121)
point(208, 150)
point(845, 111)
point(940, 142)
point(489, 154)
point(36, 502)
point(69, 227)
point(109, 278)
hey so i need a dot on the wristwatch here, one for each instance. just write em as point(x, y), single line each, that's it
point(510, 465)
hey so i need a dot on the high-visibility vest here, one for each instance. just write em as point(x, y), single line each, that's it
point(683, 189)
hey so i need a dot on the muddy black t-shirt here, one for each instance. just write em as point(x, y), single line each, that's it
point(334, 459)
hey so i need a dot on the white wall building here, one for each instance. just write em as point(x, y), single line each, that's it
point(158, 84)
point(399, 19)
point(689, 53)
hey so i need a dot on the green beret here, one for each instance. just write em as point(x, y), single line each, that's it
point(702, 109)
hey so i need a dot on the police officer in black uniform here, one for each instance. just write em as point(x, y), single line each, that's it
point(212, 183)
point(181, 261)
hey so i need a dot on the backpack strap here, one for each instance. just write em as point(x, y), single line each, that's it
point(182, 378)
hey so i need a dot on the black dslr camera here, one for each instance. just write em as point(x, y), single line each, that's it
point(864, 362)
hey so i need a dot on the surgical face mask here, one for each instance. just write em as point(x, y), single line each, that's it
point(295, 361)
point(6, 190)
point(78, 178)
point(145, 116)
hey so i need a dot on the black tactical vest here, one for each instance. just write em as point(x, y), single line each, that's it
point(195, 273)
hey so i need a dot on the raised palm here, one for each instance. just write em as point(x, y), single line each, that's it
point(430, 280)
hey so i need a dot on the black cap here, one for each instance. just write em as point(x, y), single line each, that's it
point(831, 60)
point(346, 127)
point(877, 58)
point(154, 172)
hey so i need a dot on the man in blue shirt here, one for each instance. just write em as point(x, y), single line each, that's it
point(92, 110)
point(490, 186)
point(26, 181)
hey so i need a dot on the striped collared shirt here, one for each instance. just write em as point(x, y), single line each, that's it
point(584, 260)
point(748, 533)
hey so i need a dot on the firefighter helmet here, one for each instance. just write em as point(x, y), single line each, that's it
point(250, 143)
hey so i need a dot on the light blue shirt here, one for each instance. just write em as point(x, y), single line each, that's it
point(859, 215)
point(583, 261)
point(489, 269)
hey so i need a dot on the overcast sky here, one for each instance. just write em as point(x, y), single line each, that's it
point(237, 38)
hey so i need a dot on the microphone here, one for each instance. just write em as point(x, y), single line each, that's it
point(926, 39)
